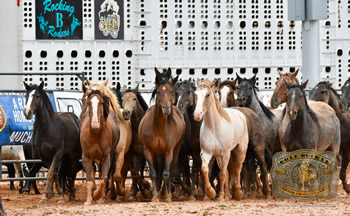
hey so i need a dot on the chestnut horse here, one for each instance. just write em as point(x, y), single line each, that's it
point(55, 141)
point(99, 136)
point(223, 132)
point(161, 132)
point(124, 140)
point(304, 128)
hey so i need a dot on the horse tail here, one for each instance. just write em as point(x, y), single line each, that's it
point(64, 173)
point(268, 157)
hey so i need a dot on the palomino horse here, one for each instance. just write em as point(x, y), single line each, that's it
point(161, 131)
point(191, 146)
point(305, 128)
point(99, 137)
point(279, 95)
point(323, 91)
point(223, 132)
point(247, 97)
point(256, 146)
point(56, 142)
point(134, 108)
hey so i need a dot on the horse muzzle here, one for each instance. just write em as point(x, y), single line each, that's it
point(198, 116)
point(126, 114)
point(28, 115)
point(166, 110)
point(241, 101)
point(275, 103)
point(95, 124)
point(343, 107)
point(292, 114)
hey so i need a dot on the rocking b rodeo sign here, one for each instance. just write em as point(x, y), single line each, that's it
point(304, 175)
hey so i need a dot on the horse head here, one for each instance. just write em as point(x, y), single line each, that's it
point(280, 93)
point(245, 90)
point(133, 102)
point(321, 92)
point(296, 100)
point(345, 97)
point(185, 94)
point(226, 93)
point(34, 100)
point(204, 95)
point(97, 106)
point(164, 91)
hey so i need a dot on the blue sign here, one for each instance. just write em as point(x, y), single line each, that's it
point(59, 19)
point(14, 127)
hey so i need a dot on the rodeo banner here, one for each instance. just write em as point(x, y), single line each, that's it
point(109, 22)
point(14, 127)
point(58, 19)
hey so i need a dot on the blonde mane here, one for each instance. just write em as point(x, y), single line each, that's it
point(207, 84)
point(114, 104)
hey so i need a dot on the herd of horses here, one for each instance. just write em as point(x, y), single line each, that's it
point(221, 125)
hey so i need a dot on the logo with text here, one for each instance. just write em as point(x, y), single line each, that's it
point(3, 119)
point(109, 18)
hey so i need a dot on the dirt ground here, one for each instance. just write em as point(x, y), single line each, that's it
point(18, 204)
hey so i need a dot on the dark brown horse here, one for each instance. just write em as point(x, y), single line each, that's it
point(134, 108)
point(55, 141)
point(304, 128)
point(161, 131)
point(99, 137)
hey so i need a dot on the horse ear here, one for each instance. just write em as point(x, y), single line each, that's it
point(26, 86)
point(253, 79)
point(303, 86)
point(157, 76)
point(294, 74)
point(198, 81)
point(118, 87)
point(175, 79)
point(136, 89)
point(125, 89)
point(218, 83)
point(105, 83)
point(88, 82)
point(169, 72)
point(83, 87)
point(280, 72)
point(329, 85)
point(234, 82)
point(288, 86)
point(189, 79)
point(42, 85)
point(238, 78)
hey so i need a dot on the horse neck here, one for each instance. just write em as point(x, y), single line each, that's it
point(334, 102)
point(303, 119)
point(212, 116)
point(159, 118)
point(44, 114)
point(136, 117)
point(256, 107)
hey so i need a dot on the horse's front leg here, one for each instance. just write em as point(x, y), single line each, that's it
point(118, 173)
point(166, 173)
point(149, 157)
point(209, 190)
point(90, 176)
point(238, 158)
point(344, 166)
point(100, 193)
point(222, 163)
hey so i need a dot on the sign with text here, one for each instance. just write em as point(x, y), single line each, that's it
point(304, 175)
point(58, 19)
point(109, 19)
point(14, 127)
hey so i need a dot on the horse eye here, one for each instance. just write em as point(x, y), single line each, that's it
point(207, 95)
point(134, 99)
point(323, 92)
point(250, 87)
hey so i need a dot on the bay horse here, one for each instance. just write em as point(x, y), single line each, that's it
point(223, 132)
point(134, 108)
point(323, 91)
point(191, 146)
point(161, 132)
point(304, 128)
point(55, 140)
point(99, 136)
point(247, 97)
point(124, 139)
point(256, 146)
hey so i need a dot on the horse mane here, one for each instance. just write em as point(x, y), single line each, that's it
point(46, 99)
point(187, 82)
point(112, 97)
point(119, 95)
point(206, 84)
point(308, 108)
point(105, 106)
point(226, 82)
point(266, 110)
point(139, 98)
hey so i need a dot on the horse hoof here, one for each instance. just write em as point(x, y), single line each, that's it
point(50, 195)
point(220, 198)
point(100, 201)
point(238, 195)
point(43, 201)
point(132, 198)
point(60, 201)
point(168, 198)
point(88, 203)
point(71, 197)
point(210, 192)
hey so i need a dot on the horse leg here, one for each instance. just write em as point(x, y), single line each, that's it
point(12, 172)
point(117, 174)
point(344, 166)
point(90, 176)
point(260, 156)
point(32, 173)
point(100, 193)
point(238, 156)
point(222, 163)
point(149, 158)
point(75, 168)
point(209, 190)
point(19, 173)
point(58, 178)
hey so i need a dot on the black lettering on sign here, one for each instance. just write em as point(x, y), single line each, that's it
point(109, 19)
point(59, 19)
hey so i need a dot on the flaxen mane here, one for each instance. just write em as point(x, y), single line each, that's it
point(207, 84)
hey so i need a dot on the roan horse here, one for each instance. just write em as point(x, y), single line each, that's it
point(304, 128)
point(247, 97)
point(256, 146)
point(223, 132)
point(56, 142)
point(134, 108)
point(124, 139)
point(161, 132)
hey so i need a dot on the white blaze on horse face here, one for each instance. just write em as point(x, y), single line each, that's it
point(224, 92)
point(198, 112)
point(178, 101)
point(29, 101)
point(95, 122)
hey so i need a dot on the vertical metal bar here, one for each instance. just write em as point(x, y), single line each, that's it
point(0, 162)
point(311, 52)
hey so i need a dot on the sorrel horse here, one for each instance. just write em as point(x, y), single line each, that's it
point(56, 142)
point(161, 132)
point(134, 108)
point(323, 91)
point(247, 97)
point(279, 95)
point(223, 132)
point(99, 136)
point(304, 128)
point(124, 139)
point(191, 146)
point(256, 146)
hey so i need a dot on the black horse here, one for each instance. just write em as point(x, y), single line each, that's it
point(55, 141)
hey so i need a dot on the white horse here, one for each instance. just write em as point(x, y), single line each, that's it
point(223, 132)
point(15, 152)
